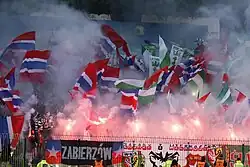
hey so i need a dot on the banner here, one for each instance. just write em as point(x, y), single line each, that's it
point(176, 54)
point(76, 152)
point(155, 154)
point(154, 64)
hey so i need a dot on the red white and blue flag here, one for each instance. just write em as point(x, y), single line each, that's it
point(110, 75)
point(53, 154)
point(17, 101)
point(190, 68)
point(10, 78)
point(6, 95)
point(129, 102)
point(117, 153)
point(34, 65)
point(87, 82)
point(11, 127)
point(23, 42)
point(106, 46)
point(100, 65)
point(117, 42)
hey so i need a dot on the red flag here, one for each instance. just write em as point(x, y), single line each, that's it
point(116, 39)
point(240, 96)
point(203, 98)
point(17, 126)
point(154, 77)
point(101, 64)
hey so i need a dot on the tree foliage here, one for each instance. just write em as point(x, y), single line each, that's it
point(129, 9)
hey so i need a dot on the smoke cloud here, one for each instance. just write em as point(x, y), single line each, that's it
point(67, 33)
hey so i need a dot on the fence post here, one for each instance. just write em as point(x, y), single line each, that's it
point(132, 160)
point(24, 152)
point(188, 148)
point(243, 153)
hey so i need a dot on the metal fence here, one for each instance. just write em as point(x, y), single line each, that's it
point(153, 150)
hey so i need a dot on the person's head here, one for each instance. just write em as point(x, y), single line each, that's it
point(98, 158)
point(220, 157)
point(238, 159)
point(203, 159)
point(174, 163)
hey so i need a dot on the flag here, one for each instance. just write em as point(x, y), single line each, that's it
point(87, 82)
point(225, 96)
point(12, 127)
point(168, 81)
point(176, 54)
point(190, 68)
point(17, 101)
point(6, 95)
point(125, 84)
point(151, 48)
point(100, 65)
point(23, 42)
point(240, 96)
point(225, 78)
point(163, 53)
point(117, 154)
point(206, 77)
point(127, 61)
point(53, 154)
point(34, 65)
point(154, 78)
point(106, 46)
point(203, 98)
point(146, 96)
point(109, 77)
point(118, 41)
point(10, 78)
point(129, 102)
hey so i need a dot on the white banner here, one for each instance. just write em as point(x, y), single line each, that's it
point(154, 64)
point(155, 154)
point(176, 54)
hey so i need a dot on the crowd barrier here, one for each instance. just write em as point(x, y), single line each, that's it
point(152, 150)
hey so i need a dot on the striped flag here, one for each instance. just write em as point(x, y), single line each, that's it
point(109, 77)
point(23, 42)
point(87, 82)
point(129, 102)
point(34, 66)
point(225, 96)
point(127, 84)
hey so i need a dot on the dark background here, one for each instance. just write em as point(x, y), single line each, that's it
point(131, 10)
